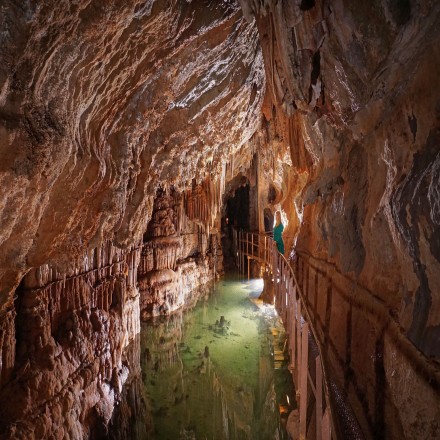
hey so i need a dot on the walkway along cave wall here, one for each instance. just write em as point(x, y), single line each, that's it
point(351, 138)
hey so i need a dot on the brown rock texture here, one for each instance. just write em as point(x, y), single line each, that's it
point(180, 251)
point(102, 106)
point(72, 338)
point(101, 103)
point(122, 124)
point(351, 149)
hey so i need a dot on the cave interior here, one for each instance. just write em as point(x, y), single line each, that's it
point(137, 137)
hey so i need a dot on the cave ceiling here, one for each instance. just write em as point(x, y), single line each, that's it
point(103, 102)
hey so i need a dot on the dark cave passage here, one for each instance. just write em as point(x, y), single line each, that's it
point(235, 217)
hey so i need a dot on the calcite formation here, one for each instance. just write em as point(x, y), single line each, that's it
point(123, 124)
point(180, 251)
point(353, 101)
point(72, 333)
point(101, 105)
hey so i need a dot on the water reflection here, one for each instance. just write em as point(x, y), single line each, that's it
point(132, 416)
point(209, 372)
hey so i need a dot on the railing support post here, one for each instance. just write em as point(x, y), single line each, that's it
point(303, 382)
point(298, 342)
point(264, 249)
point(289, 297)
point(326, 428)
point(318, 396)
point(241, 251)
point(242, 254)
point(293, 327)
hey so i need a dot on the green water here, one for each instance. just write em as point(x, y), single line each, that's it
point(210, 372)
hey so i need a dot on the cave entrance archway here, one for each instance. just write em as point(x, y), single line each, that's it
point(237, 207)
point(236, 214)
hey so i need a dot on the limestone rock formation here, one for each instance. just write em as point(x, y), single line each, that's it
point(353, 101)
point(179, 251)
point(122, 124)
point(72, 336)
point(101, 103)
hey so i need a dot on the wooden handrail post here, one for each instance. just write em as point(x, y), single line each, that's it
point(277, 285)
point(303, 382)
point(241, 251)
point(298, 341)
point(291, 282)
point(293, 326)
point(242, 254)
point(264, 248)
point(238, 252)
point(326, 428)
point(318, 397)
point(286, 298)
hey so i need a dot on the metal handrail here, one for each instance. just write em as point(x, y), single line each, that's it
point(288, 306)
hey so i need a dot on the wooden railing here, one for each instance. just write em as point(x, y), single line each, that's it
point(306, 366)
point(251, 245)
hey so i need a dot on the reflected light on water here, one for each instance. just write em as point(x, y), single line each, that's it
point(218, 370)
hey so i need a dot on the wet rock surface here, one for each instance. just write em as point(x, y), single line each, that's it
point(352, 109)
point(370, 166)
point(121, 125)
point(100, 104)
point(180, 251)
point(73, 349)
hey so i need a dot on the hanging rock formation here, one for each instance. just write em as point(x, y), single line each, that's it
point(100, 105)
point(121, 124)
point(72, 331)
point(352, 120)
point(179, 252)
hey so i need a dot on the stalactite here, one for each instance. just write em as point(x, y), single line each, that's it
point(92, 284)
point(177, 234)
point(7, 343)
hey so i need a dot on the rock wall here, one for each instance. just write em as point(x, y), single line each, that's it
point(180, 251)
point(72, 333)
point(100, 104)
point(391, 387)
point(132, 417)
point(351, 146)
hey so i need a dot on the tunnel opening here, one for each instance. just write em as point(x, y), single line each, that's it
point(235, 217)
point(307, 5)
point(237, 205)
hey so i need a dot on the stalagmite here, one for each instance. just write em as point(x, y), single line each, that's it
point(167, 249)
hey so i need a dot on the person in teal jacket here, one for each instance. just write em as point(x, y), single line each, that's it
point(278, 233)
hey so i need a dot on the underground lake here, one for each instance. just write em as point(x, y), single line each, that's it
point(217, 371)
